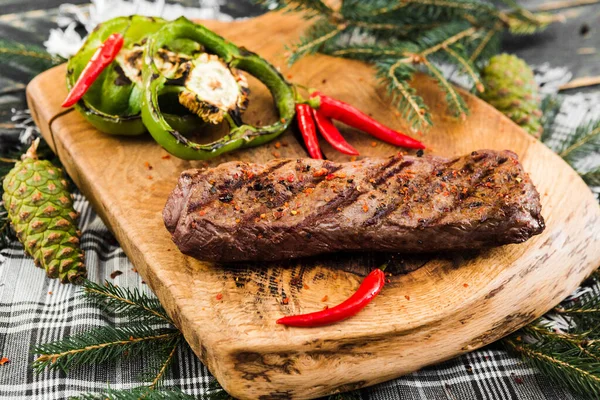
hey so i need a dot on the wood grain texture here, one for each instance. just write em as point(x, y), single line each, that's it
point(434, 308)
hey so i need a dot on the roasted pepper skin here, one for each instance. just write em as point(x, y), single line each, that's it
point(240, 135)
point(112, 103)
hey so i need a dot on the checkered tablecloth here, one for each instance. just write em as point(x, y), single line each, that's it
point(34, 310)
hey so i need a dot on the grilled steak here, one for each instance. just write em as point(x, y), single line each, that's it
point(293, 208)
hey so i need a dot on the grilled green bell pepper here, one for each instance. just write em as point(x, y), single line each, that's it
point(190, 88)
point(113, 102)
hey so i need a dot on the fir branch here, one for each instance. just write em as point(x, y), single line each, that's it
point(550, 108)
point(132, 303)
point(165, 365)
point(31, 59)
point(592, 177)
point(543, 333)
point(455, 101)
point(138, 393)
point(216, 392)
point(346, 396)
point(521, 21)
point(310, 8)
point(559, 359)
point(319, 33)
point(487, 38)
point(563, 364)
point(6, 234)
point(411, 106)
point(586, 307)
point(467, 67)
point(583, 142)
point(525, 23)
point(102, 344)
point(460, 5)
point(455, 32)
point(370, 53)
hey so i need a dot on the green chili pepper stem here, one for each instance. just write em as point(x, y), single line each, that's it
point(239, 136)
point(230, 121)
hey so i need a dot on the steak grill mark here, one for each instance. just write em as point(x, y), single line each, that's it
point(411, 204)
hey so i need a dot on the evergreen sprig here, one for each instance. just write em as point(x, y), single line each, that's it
point(142, 392)
point(216, 392)
point(592, 177)
point(139, 335)
point(583, 142)
point(410, 35)
point(103, 344)
point(550, 108)
point(30, 59)
point(572, 360)
point(132, 304)
point(578, 148)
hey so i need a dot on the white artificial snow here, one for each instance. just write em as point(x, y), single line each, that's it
point(65, 41)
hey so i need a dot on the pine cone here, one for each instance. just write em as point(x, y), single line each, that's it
point(511, 88)
point(40, 209)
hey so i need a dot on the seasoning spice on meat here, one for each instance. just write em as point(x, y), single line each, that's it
point(381, 207)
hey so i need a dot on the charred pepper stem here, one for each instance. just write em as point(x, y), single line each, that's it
point(368, 289)
point(240, 136)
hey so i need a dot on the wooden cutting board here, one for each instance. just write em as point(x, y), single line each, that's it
point(449, 304)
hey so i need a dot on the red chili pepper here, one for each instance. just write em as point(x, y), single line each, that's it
point(368, 289)
point(308, 130)
point(344, 112)
point(104, 55)
point(332, 134)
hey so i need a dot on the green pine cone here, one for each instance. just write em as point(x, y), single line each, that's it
point(40, 209)
point(511, 88)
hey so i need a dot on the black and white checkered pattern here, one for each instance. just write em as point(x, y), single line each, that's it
point(35, 310)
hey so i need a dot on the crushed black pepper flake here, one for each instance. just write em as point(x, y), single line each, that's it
point(226, 198)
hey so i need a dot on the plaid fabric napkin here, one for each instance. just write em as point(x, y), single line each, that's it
point(35, 310)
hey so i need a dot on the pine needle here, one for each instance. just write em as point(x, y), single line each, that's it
point(458, 32)
point(583, 142)
point(453, 98)
point(411, 106)
point(315, 38)
point(467, 67)
point(101, 345)
point(216, 392)
point(28, 58)
point(310, 8)
point(483, 44)
point(460, 5)
point(138, 393)
point(592, 177)
point(550, 108)
point(165, 365)
point(565, 369)
point(131, 303)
